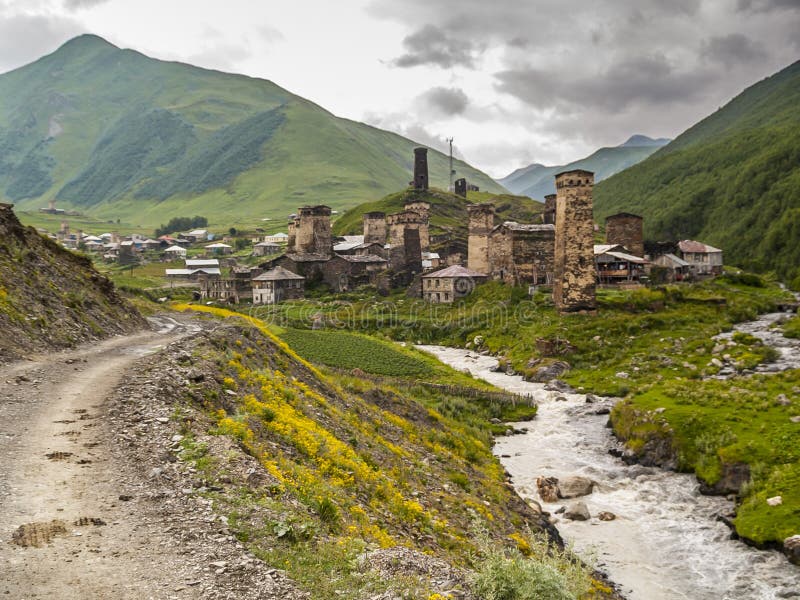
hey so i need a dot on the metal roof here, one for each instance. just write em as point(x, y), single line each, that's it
point(278, 274)
point(696, 247)
point(454, 271)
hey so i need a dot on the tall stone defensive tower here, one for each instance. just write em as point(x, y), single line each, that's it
point(291, 241)
point(423, 209)
point(374, 227)
point(481, 223)
point(626, 229)
point(550, 209)
point(421, 168)
point(574, 285)
point(313, 232)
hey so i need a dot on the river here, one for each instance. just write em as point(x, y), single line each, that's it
point(665, 543)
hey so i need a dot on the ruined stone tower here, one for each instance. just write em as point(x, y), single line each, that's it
point(481, 222)
point(291, 241)
point(313, 232)
point(550, 209)
point(574, 285)
point(626, 229)
point(421, 168)
point(374, 227)
point(461, 187)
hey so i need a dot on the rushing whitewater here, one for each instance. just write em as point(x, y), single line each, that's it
point(665, 542)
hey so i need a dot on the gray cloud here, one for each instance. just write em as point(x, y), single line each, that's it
point(444, 101)
point(732, 50)
point(431, 45)
point(645, 79)
point(80, 4)
point(767, 5)
point(25, 38)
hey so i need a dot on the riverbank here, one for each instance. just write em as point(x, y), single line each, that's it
point(665, 541)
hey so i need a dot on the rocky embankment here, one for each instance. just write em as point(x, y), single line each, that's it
point(52, 298)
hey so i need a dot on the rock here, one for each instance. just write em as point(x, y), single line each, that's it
point(561, 399)
point(537, 508)
point(622, 375)
point(560, 510)
point(775, 501)
point(550, 372)
point(556, 385)
point(795, 419)
point(574, 486)
point(791, 547)
point(591, 399)
point(478, 341)
point(717, 363)
point(783, 400)
point(606, 516)
point(577, 511)
point(495, 421)
point(718, 348)
point(734, 476)
point(548, 488)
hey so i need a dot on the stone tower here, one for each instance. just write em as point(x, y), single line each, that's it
point(313, 232)
point(374, 227)
point(574, 285)
point(423, 209)
point(291, 241)
point(420, 168)
point(626, 229)
point(550, 209)
point(481, 223)
point(461, 187)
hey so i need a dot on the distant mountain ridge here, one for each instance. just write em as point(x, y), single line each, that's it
point(114, 133)
point(537, 180)
point(732, 180)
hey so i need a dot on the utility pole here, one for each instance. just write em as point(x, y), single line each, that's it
point(452, 172)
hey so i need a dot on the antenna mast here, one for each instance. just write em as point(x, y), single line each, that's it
point(452, 172)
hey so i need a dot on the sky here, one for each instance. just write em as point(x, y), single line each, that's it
point(512, 81)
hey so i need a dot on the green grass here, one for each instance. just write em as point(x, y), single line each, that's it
point(726, 422)
point(791, 328)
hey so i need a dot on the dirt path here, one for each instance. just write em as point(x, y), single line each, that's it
point(64, 530)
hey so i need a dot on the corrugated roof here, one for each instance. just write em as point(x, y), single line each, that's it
point(676, 261)
point(696, 247)
point(367, 258)
point(627, 257)
point(278, 274)
point(603, 248)
point(514, 226)
point(454, 271)
point(202, 262)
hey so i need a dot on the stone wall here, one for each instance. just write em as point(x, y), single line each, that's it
point(522, 254)
point(549, 216)
point(481, 223)
point(374, 228)
point(574, 285)
point(626, 229)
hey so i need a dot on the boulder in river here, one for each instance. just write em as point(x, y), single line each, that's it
point(606, 516)
point(577, 511)
point(556, 385)
point(549, 372)
point(791, 547)
point(574, 486)
point(548, 488)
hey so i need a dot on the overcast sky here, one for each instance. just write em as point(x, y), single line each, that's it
point(513, 81)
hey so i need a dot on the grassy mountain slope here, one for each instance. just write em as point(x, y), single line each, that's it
point(448, 211)
point(536, 181)
point(116, 134)
point(345, 465)
point(732, 180)
point(51, 297)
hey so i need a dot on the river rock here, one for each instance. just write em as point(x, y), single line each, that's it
point(577, 511)
point(548, 488)
point(535, 506)
point(791, 547)
point(550, 372)
point(606, 516)
point(734, 476)
point(717, 363)
point(775, 501)
point(574, 486)
point(556, 385)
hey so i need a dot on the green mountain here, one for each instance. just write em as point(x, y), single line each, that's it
point(115, 134)
point(732, 180)
point(536, 180)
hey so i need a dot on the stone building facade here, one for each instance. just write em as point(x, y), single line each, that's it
point(511, 252)
point(575, 277)
point(549, 216)
point(313, 231)
point(374, 228)
point(460, 187)
point(626, 229)
point(450, 284)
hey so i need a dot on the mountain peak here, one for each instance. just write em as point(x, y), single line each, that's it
point(87, 41)
point(642, 141)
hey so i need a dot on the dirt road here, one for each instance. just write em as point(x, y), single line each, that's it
point(76, 520)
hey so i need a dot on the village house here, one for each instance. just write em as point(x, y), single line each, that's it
point(676, 269)
point(450, 284)
point(266, 249)
point(702, 258)
point(235, 289)
point(219, 248)
point(277, 238)
point(615, 266)
point(277, 285)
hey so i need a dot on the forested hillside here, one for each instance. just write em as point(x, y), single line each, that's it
point(732, 180)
